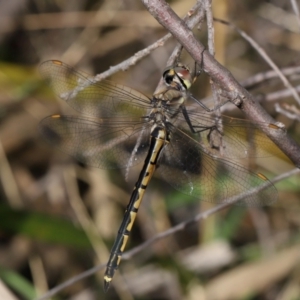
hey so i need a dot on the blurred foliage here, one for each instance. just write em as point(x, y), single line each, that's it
point(53, 230)
point(52, 208)
point(18, 283)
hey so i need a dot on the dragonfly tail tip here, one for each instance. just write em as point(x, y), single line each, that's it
point(106, 284)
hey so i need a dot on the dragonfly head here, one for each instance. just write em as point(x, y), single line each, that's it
point(178, 77)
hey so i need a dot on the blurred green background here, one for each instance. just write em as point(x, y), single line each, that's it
point(59, 218)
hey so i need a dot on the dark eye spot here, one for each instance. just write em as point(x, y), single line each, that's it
point(168, 79)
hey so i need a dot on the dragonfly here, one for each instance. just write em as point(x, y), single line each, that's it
point(119, 127)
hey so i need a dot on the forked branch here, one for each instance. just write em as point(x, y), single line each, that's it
point(239, 96)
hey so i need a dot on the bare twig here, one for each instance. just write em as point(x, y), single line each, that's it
point(211, 50)
point(198, 14)
point(290, 112)
point(265, 56)
point(181, 226)
point(260, 77)
point(126, 64)
point(280, 94)
point(191, 21)
point(210, 27)
point(245, 101)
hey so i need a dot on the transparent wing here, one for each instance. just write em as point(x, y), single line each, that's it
point(120, 138)
point(230, 137)
point(193, 172)
point(100, 143)
point(87, 96)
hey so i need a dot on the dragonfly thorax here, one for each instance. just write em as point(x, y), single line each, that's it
point(157, 116)
point(170, 95)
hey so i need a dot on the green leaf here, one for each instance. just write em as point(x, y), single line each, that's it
point(18, 283)
point(42, 227)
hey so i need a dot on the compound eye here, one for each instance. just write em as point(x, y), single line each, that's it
point(169, 79)
point(185, 77)
point(184, 73)
point(168, 76)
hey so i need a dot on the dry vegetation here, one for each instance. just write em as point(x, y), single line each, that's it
point(59, 218)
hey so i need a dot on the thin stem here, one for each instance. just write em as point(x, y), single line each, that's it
point(191, 21)
point(239, 96)
point(264, 55)
point(181, 226)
